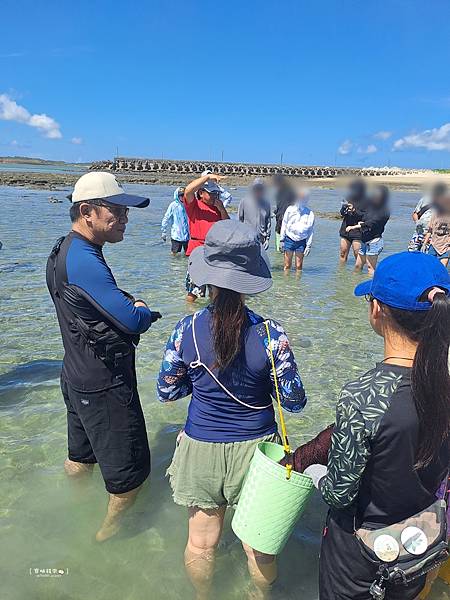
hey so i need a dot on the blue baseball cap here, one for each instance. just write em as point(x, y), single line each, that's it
point(401, 279)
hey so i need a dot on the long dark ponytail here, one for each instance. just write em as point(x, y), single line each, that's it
point(229, 322)
point(430, 372)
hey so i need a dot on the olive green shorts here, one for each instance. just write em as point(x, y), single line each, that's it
point(211, 474)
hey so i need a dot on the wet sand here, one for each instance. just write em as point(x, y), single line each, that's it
point(57, 181)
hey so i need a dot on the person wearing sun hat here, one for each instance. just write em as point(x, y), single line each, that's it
point(221, 356)
point(390, 445)
point(100, 327)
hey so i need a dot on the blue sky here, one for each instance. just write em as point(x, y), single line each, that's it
point(350, 82)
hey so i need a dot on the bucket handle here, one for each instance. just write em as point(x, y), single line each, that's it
point(287, 448)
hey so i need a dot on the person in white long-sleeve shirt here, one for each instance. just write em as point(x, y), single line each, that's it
point(297, 231)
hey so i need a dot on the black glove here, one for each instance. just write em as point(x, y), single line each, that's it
point(314, 452)
point(155, 315)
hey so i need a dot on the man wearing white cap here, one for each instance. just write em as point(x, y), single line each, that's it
point(204, 208)
point(100, 326)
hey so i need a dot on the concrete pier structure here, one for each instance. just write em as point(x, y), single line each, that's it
point(148, 165)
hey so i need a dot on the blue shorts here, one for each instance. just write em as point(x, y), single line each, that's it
point(372, 248)
point(292, 246)
point(433, 252)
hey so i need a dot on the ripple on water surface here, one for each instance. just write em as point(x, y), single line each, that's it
point(49, 522)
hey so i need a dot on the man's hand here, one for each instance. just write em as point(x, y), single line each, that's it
point(221, 208)
point(218, 203)
point(307, 251)
point(155, 315)
point(215, 177)
point(139, 303)
point(194, 186)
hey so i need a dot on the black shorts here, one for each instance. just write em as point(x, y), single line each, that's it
point(350, 237)
point(345, 574)
point(354, 235)
point(178, 246)
point(107, 427)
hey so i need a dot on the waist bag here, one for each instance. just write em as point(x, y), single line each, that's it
point(109, 346)
point(409, 549)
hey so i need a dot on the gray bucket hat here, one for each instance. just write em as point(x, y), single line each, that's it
point(231, 258)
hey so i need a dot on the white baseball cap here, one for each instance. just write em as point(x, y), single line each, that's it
point(104, 186)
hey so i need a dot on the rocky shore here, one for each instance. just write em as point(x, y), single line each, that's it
point(58, 181)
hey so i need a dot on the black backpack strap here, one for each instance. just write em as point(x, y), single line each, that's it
point(54, 255)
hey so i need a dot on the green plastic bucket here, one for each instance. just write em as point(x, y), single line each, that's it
point(270, 504)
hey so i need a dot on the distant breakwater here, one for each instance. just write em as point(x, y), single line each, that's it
point(184, 167)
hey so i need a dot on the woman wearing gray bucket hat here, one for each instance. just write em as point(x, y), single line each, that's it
point(222, 356)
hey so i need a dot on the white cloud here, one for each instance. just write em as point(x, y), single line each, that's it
point(370, 149)
point(77, 140)
point(11, 111)
point(345, 147)
point(382, 135)
point(437, 138)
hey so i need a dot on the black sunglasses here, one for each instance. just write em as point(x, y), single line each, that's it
point(119, 212)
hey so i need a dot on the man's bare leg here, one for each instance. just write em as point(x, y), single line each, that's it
point(117, 505)
point(76, 469)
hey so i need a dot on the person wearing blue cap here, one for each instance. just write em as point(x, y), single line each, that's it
point(390, 446)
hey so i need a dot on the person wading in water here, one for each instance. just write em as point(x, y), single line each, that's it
point(391, 442)
point(100, 327)
point(204, 208)
point(352, 214)
point(221, 356)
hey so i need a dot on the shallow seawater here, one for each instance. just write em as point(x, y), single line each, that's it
point(48, 522)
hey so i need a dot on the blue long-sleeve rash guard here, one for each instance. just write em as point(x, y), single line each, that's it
point(82, 287)
point(87, 269)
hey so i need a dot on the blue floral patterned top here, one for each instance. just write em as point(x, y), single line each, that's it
point(213, 415)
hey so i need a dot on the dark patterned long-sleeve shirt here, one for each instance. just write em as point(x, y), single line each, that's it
point(374, 447)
